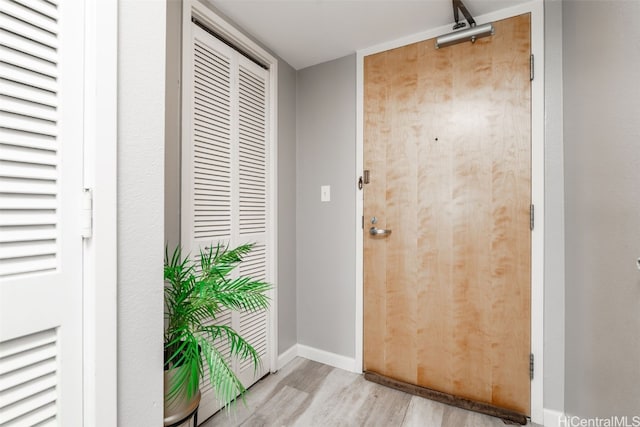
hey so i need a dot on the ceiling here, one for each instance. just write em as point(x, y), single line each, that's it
point(309, 32)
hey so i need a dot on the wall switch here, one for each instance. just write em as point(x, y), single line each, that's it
point(325, 193)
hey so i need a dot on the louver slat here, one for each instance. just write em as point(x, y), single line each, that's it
point(253, 325)
point(18, 59)
point(22, 139)
point(27, 234)
point(24, 88)
point(30, 109)
point(26, 13)
point(252, 137)
point(27, 46)
point(29, 159)
point(47, 8)
point(29, 79)
point(28, 379)
point(19, 27)
point(212, 145)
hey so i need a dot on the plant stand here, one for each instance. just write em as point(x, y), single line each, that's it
point(179, 418)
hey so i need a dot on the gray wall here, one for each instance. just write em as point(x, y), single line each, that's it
point(141, 83)
point(286, 280)
point(554, 211)
point(326, 129)
point(602, 181)
point(287, 321)
point(172, 124)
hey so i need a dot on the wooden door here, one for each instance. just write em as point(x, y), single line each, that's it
point(447, 142)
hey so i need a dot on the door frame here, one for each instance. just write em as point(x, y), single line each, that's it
point(536, 8)
point(215, 22)
point(99, 263)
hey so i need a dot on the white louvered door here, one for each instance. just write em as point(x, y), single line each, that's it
point(251, 213)
point(225, 168)
point(41, 84)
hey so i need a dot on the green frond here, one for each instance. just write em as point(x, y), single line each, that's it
point(225, 382)
point(195, 293)
point(238, 346)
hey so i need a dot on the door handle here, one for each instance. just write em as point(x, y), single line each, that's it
point(379, 231)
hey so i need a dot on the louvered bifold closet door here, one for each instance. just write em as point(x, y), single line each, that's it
point(224, 177)
point(252, 202)
point(207, 185)
point(41, 96)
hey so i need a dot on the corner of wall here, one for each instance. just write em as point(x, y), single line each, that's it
point(141, 116)
point(325, 144)
point(554, 418)
point(554, 280)
point(172, 124)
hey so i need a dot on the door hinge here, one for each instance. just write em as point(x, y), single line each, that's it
point(531, 66)
point(531, 366)
point(532, 217)
point(367, 176)
point(86, 215)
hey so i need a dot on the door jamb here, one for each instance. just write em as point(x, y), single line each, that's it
point(99, 264)
point(536, 8)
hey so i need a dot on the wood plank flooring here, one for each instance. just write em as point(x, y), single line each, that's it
point(308, 394)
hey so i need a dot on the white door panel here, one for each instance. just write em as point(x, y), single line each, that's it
point(41, 116)
point(225, 168)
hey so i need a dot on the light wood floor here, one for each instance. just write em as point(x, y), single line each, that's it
point(308, 394)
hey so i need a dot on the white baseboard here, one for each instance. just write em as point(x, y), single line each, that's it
point(317, 355)
point(331, 359)
point(552, 418)
point(287, 356)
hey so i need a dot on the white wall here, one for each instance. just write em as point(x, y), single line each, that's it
point(326, 132)
point(141, 79)
point(601, 45)
point(554, 211)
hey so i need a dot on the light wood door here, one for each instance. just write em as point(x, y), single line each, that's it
point(447, 143)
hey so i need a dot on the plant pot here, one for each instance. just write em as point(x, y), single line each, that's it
point(179, 408)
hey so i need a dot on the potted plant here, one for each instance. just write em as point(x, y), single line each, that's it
point(196, 291)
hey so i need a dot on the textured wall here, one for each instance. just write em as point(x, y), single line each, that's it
point(141, 87)
point(326, 118)
point(602, 190)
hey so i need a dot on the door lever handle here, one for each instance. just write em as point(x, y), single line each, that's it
point(379, 231)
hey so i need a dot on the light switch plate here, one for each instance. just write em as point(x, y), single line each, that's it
point(325, 193)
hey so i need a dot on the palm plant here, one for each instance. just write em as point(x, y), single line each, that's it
point(195, 294)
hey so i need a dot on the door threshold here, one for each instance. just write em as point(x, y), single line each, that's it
point(460, 402)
